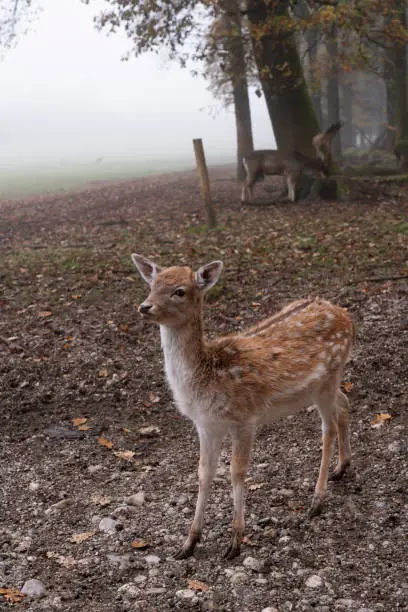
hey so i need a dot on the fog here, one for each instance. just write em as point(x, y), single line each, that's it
point(66, 96)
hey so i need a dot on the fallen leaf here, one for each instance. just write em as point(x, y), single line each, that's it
point(245, 540)
point(197, 585)
point(128, 455)
point(12, 595)
point(68, 561)
point(45, 313)
point(104, 442)
point(295, 508)
point(126, 430)
point(79, 421)
point(103, 373)
point(256, 486)
point(348, 386)
point(78, 538)
point(140, 544)
point(123, 327)
point(101, 500)
point(84, 428)
point(149, 431)
point(380, 419)
point(77, 296)
point(153, 398)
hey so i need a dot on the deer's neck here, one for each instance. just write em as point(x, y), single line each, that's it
point(183, 350)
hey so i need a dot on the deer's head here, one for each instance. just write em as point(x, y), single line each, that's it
point(175, 293)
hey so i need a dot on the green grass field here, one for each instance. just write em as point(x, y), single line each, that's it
point(22, 181)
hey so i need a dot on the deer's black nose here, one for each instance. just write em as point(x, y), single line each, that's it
point(144, 308)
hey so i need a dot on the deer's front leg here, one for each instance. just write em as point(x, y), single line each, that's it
point(210, 446)
point(242, 440)
point(291, 181)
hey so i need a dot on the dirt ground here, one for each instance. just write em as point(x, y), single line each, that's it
point(72, 346)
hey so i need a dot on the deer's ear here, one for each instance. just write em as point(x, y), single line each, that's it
point(147, 269)
point(207, 275)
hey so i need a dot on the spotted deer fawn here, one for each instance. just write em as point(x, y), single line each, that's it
point(322, 142)
point(233, 383)
point(292, 165)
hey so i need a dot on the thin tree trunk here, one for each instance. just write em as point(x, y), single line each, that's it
point(315, 88)
point(242, 107)
point(401, 81)
point(280, 72)
point(389, 80)
point(347, 132)
point(333, 96)
point(243, 125)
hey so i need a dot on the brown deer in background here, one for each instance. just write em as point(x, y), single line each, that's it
point(269, 162)
point(322, 142)
point(232, 384)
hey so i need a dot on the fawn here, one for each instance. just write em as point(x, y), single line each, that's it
point(290, 165)
point(233, 383)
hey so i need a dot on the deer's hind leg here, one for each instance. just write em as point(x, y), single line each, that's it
point(291, 180)
point(343, 436)
point(248, 186)
point(327, 406)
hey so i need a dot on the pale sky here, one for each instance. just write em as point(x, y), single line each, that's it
point(66, 94)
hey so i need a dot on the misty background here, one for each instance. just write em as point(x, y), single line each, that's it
point(68, 98)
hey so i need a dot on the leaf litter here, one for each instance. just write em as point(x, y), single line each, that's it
point(272, 255)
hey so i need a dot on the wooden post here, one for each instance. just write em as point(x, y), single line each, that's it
point(204, 182)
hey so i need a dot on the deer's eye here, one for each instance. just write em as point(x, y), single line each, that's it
point(179, 292)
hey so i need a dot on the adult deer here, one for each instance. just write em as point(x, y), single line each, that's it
point(292, 165)
point(233, 383)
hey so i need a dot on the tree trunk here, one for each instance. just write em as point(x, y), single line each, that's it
point(347, 131)
point(242, 107)
point(389, 80)
point(401, 81)
point(315, 89)
point(280, 72)
point(243, 125)
point(333, 97)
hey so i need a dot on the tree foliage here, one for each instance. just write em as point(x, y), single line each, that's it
point(181, 26)
point(13, 15)
point(228, 56)
point(358, 26)
point(277, 36)
point(154, 24)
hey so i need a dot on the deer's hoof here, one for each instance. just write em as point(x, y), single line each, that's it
point(184, 553)
point(316, 507)
point(315, 511)
point(234, 550)
point(338, 473)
